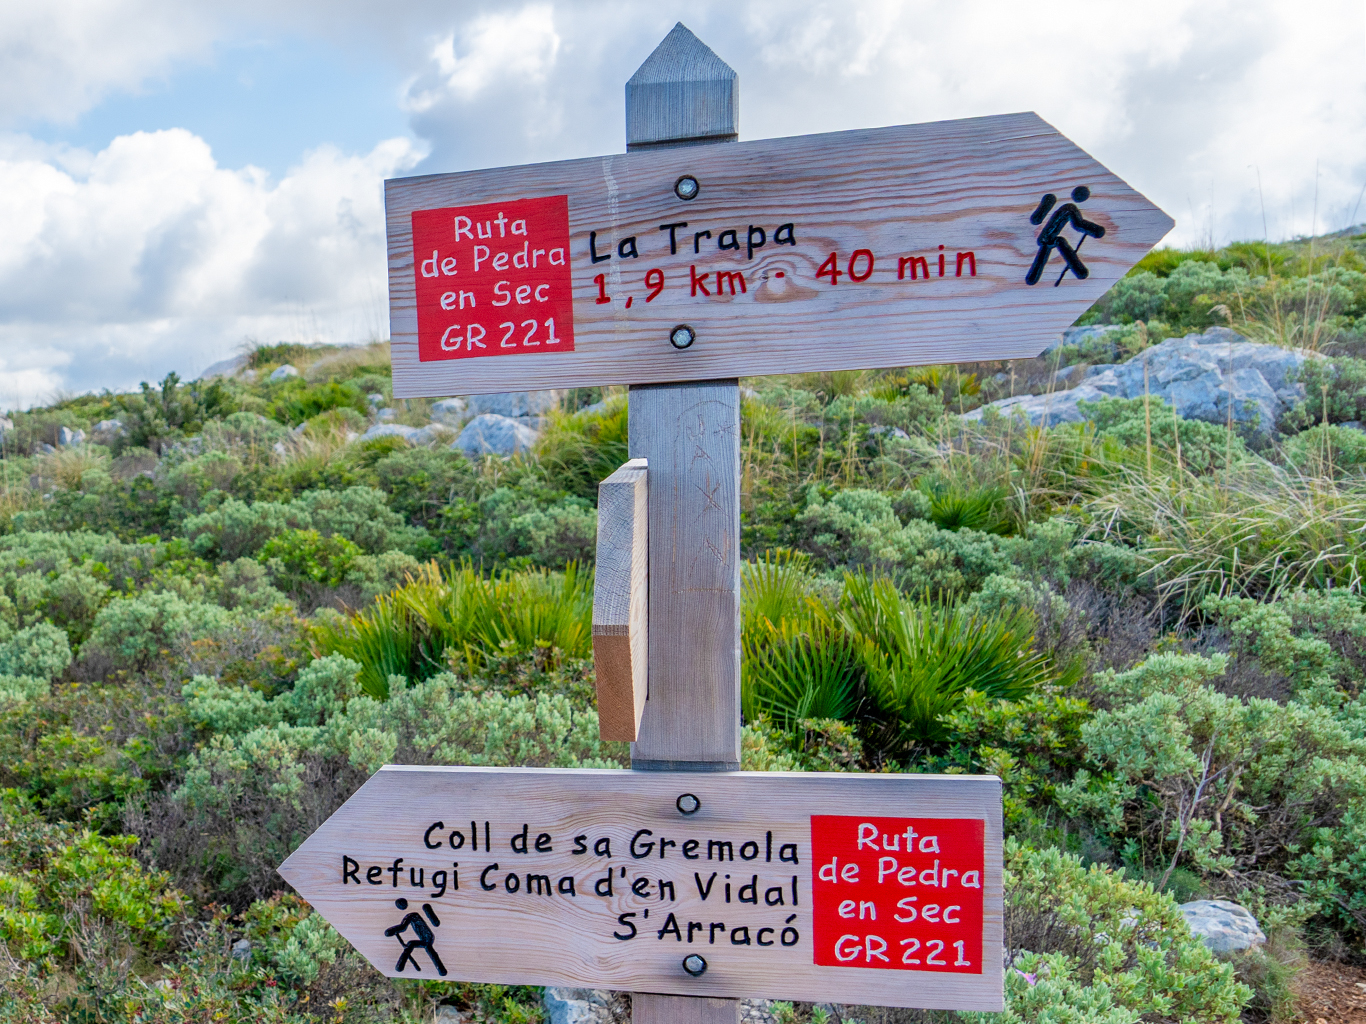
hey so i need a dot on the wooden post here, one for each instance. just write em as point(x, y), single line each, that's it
point(684, 94)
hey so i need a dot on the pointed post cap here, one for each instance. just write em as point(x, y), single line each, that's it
point(682, 94)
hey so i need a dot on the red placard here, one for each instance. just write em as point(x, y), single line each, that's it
point(898, 893)
point(493, 280)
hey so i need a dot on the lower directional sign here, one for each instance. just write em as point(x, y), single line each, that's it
point(878, 889)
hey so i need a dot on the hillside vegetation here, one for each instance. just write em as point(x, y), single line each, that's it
point(218, 622)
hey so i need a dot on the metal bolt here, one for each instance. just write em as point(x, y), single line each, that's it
point(682, 336)
point(687, 187)
point(687, 804)
point(694, 964)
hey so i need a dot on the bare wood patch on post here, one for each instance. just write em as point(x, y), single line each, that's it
point(620, 601)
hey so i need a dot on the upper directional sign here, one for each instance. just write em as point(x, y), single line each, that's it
point(944, 242)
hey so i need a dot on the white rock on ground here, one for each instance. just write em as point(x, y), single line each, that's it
point(491, 434)
point(449, 410)
point(224, 368)
point(1225, 927)
point(107, 430)
point(281, 372)
point(375, 399)
point(595, 1006)
point(386, 414)
point(1199, 375)
point(431, 432)
point(67, 437)
point(389, 430)
point(570, 1006)
point(515, 404)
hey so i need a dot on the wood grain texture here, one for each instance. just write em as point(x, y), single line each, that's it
point(621, 601)
point(649, 1008)
point(968, 185)
point(525, 938)
point(683, 93)
point(690, 434)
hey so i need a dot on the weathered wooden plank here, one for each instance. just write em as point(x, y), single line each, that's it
point(690, 434)
point(797, 847)
point(621, 601)
point(895, 194)
point(648, 1008)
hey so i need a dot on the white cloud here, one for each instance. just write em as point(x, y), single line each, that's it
point(146, 255)
point(519, 46)
point(62, 57)
point(156, 258)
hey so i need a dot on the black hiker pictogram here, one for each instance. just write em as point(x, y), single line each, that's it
point(424, 940)
point(1050, 237)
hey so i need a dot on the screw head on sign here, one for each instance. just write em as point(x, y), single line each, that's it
point(687, 804)
point(687, 187)
point(682, 336)
point(694, 964)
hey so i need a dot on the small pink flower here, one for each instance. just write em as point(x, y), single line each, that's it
point(1033, 979)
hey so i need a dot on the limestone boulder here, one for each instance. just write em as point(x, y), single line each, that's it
point(1223, 926)
point(1215, 376)
point(514, 404)
point(284, 372)
point(492, 434)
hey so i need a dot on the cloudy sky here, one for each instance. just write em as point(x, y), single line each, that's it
point(177, 181)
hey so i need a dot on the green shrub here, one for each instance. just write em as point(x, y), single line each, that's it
point(580, 450)
point(858, 530)
point(1204, 447)
point(1327, 450)
point(60, 886)
point(40, 651)
point(17, 689)
point(249, 797)
point(133, 631)
point(296, 558)
point(1089, 945)
point(797, 670)
point(298, 400)
point(1184, 775)
point(415, 631)
point(921, 656)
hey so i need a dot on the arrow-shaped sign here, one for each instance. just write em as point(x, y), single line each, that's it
point(882, 889)
point(944, 242)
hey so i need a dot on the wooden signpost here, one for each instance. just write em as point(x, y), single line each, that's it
point(676, 268)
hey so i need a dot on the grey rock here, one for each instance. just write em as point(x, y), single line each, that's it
point(375, 399)
point(385, 414)
point(224, 368)
point(1212, 376)
point(66, 437)
point(241, 950)
point(300, 428)
point(591, 410)
point(107, 430)
point(569, 1006)
point(448, 1014)
point(450, 411)
point(1078, 335)
point(389, 430)
point(431, 432)
point(46, 448)
point(1225, 927)
point(515, 404)
point(1350, 425)
point(491, 434)
point(6, 424)
point(283, 372)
